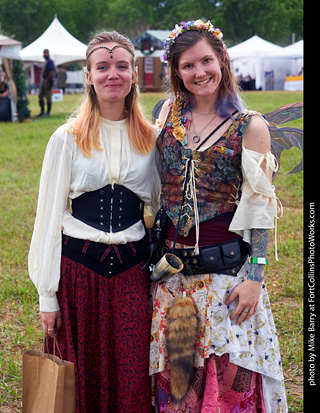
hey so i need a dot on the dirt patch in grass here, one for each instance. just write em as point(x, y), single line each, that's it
point(15, 408)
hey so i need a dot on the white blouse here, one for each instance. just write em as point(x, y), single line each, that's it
point(67, 174)
point(257, 207)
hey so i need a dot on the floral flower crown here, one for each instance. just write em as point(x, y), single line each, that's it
point(197, 25)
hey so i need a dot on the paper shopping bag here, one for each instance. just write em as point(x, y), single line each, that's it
point(48, 383)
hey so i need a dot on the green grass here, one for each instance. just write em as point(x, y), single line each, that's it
point(22, 147)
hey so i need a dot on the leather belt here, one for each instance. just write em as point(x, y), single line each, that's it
point(225, 258)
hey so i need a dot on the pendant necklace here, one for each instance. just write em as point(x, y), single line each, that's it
point(197, 136)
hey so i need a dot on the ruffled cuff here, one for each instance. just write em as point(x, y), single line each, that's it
point(49, 304)
point(253, 211)
point(258, 206)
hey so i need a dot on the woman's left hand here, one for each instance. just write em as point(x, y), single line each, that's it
point(249, 294)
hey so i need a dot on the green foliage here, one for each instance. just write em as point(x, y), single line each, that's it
point(28, 20)
point(22, 89)
point(273, 20)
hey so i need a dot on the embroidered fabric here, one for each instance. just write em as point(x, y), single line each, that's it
point(215, 177)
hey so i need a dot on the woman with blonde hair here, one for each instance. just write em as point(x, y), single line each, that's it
point(88, 245)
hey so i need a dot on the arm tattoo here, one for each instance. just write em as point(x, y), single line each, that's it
point(259, 248)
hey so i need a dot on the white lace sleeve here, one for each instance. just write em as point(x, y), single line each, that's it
point(257, 207)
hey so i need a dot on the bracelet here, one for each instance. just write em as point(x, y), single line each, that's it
point(259, 260)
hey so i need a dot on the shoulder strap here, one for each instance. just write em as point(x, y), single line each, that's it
point(215, 130)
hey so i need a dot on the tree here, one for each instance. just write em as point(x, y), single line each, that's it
point(22, 89)
point(23, 19)
point(26, 21)
point(273, 20)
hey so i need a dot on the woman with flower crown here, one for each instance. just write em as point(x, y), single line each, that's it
point(88, 246)
point(214, 345)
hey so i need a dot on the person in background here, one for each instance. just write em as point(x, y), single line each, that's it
point(61, 78)
point(88, 246)
point(4, 88)
point(46, 86)
point(214, 345)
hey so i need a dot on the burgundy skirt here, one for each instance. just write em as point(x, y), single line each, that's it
point(105, 332)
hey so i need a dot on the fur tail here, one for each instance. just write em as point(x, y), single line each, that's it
point(182, 330)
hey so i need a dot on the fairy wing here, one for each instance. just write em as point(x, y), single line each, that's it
point(156, 110)
point(286, 137)
point(285, 114)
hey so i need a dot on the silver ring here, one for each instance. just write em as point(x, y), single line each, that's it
point(245, 310)
point(50, 329)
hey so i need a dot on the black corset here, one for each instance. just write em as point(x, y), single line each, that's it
point(109, 208)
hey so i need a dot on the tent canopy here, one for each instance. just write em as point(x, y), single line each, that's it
point(293, 51)
point(63, 47)
point(253, 56)
point(253, 48)
point(9, 48)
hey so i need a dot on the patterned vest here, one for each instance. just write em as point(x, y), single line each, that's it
point(215, 172)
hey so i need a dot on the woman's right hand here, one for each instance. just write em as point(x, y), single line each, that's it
point(50, 322)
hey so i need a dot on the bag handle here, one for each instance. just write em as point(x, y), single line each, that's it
point(55, 343)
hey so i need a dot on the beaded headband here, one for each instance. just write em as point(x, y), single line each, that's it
point(110, 50)
point(197, 25)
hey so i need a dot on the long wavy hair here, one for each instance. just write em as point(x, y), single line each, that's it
point(86, 118)
point(228, 92)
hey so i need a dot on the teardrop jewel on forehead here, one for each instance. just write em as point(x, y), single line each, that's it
point(110, 50)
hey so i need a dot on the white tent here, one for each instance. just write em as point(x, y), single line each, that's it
point(292, 58)
point(63, 47)
point(252, 48)
point(9, 48)
point(294, 51)
point(249, 57)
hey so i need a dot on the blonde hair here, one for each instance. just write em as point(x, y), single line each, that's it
point(87, 117)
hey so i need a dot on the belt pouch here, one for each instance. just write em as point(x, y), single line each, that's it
point(210, 258)
point(231, 253)
point(226, 258)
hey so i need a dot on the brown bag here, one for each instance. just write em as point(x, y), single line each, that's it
point(48, 382)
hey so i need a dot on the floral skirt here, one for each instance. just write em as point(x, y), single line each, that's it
point(252, 345)
point(105, 332)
